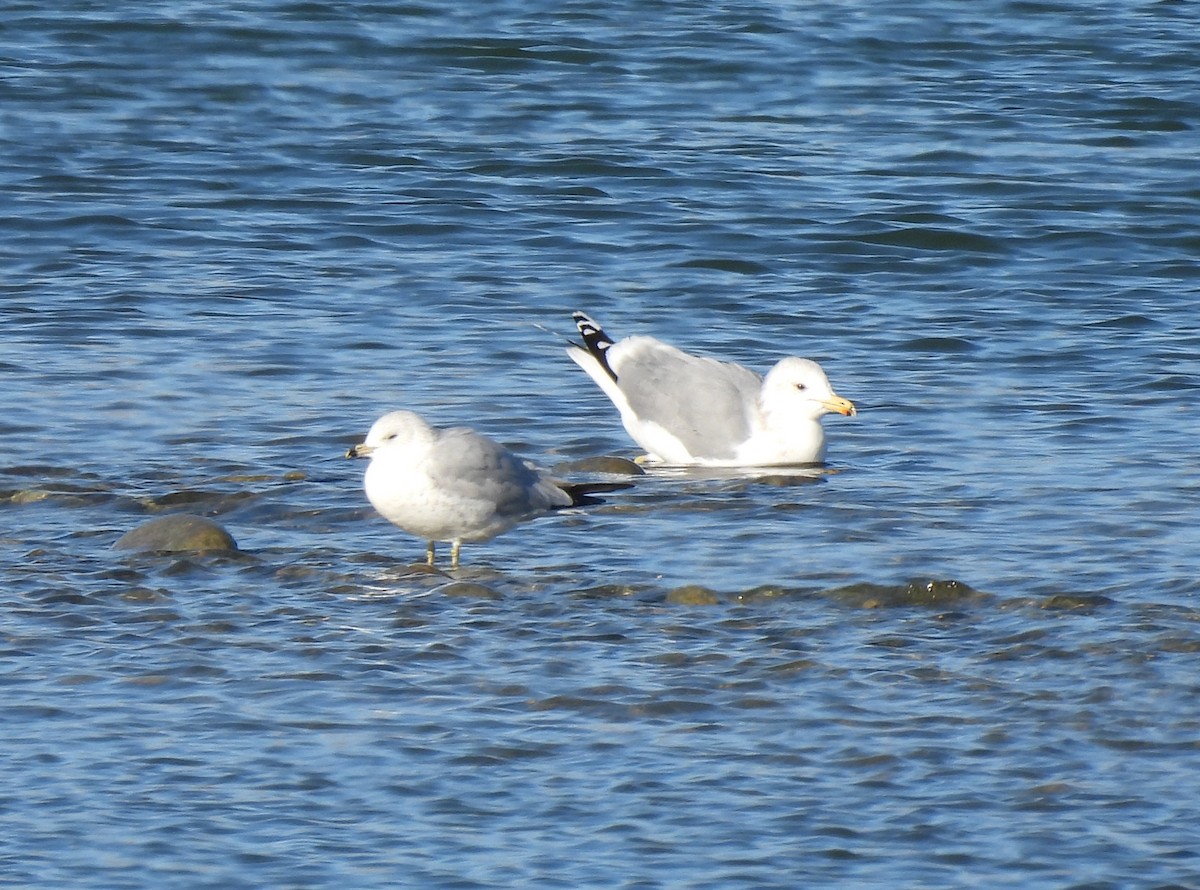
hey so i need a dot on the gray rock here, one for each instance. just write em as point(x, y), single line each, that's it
point(179, 531)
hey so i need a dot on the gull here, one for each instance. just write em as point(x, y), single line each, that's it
point(693, 410)
point(455, 484)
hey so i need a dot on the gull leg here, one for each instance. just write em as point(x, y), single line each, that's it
point(429, 548)
point(454, 549)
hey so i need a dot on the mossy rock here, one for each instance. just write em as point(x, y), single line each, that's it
point(920, 592)
point(694, 595)
point(179, 531)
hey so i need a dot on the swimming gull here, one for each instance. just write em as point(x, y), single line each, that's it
point(692, 410)
point(456, 485)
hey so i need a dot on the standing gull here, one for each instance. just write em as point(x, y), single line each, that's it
point(688, 410)
point(454, 484)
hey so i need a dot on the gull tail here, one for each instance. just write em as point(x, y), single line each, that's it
point(581, 493)
point(595, 340)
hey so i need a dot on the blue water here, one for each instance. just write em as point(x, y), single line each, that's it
point(964, 656)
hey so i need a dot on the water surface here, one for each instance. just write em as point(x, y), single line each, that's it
point(964, 655)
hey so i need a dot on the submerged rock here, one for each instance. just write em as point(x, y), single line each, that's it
point(694, 595)
point(614, 466)
point(762, 593)
point(1075, 601)
point(932, 593)
point(469, 590)
point(179, 531)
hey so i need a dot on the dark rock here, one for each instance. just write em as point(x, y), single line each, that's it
point(1075, 601)
point(920, 592)
point(614, 466)
point(469, 590)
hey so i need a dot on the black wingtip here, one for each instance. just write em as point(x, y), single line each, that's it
point(583, 494)
point(594, 338)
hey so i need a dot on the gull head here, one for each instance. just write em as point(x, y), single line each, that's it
point(395, 430)
point(799, 387)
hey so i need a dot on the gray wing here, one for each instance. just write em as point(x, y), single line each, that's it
point(705, 403)
point(471, 466)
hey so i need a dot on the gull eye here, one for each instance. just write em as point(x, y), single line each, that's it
point(800, 387)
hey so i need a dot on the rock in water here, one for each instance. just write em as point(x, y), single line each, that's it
point(179, 531)
point(613, 466)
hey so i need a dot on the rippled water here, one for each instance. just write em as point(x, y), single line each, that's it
point(965, 655)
